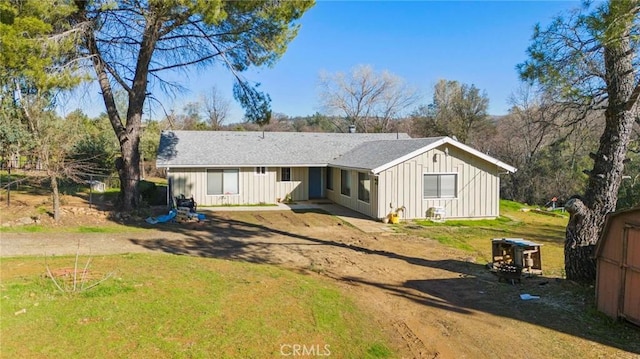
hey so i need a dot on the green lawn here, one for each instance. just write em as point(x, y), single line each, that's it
point(475, 235)
point(165, 306)
point(106, 228)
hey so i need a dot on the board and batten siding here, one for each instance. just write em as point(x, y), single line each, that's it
point(253, 188)
point(352, 201)
point(478, 185)
point(297, 187)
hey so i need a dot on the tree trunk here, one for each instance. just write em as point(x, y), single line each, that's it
point(128, 134)
point(588, 214)
point(129, 171)
point(129, 174)
point(56, 198)
point(583, 230)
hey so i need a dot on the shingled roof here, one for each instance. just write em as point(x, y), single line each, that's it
point(250, 148)
point(373, 152)
point(377, 156)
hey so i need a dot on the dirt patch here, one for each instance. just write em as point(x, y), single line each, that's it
point(433, 301)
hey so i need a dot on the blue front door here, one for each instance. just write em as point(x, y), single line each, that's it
point(315, 182)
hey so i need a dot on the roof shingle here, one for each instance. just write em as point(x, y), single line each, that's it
point(250, 148)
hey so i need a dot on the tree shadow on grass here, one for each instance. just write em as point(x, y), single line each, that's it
point(562, 306)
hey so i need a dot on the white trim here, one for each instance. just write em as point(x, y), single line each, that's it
point(441, 198)
point(442, 141)
point(269, 165)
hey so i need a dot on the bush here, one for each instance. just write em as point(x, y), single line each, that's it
point(152, 193)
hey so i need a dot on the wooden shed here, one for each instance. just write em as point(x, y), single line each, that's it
point(618, 261)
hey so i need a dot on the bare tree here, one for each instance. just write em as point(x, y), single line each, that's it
point(367, 99)
point(216, 108)
point(548, 149)
point(54, 140)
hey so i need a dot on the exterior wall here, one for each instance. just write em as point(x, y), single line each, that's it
point(478, 185)
point(352, 201)
point(297, 187)
point(253, 188)
point(618, 275)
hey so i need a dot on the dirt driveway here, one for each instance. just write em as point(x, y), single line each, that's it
point(434, 301)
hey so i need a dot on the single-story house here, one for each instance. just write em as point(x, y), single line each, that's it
point(369, 173)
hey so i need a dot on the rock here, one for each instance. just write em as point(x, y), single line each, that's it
point(24, 221)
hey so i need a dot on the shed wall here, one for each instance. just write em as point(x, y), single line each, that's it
point(631, 304)
point(618, 261)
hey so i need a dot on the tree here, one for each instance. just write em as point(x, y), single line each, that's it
point(458, 110)
point(369, 100)
point(170, 35)
point(216, 108)
point(549, 154)
point(36, 62)
point(588, 61)
point(95, 143)
point(630, 189)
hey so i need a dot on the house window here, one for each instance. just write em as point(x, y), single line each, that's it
point(285, 174)
point(261, 170)
point(223, 181)
point(329, 178)
point(364, 187)
point(345, 183)
point(440, 185)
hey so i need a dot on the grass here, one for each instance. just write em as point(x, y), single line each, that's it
point(108, 228)
point(178, 306)
point(475, 235)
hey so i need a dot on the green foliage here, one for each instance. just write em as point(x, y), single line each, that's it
point(35, 46)
point(458, 110)
point(257, 104)
point(147, 190)
point(150, 140)
point(170, 35)
point(94, 142)
point(629, 194)
point(567, 58)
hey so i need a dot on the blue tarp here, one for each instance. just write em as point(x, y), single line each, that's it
point(164, 218)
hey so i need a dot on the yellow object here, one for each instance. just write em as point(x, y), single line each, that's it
point(394, 219)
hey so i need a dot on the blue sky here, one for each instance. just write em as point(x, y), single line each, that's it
point(473, 42)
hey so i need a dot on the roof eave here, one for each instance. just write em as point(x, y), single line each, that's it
point(445, 140)
point(169, 165)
